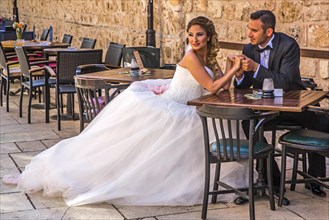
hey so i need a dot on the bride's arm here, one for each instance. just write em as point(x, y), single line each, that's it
point(196, 68)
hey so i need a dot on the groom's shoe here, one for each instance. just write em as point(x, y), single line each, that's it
point(240, 200)
point(316, 189)
point(276, 192)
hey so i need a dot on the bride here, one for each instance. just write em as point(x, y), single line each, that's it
point(146, 146)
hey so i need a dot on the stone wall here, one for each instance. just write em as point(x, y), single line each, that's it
point(125, 21)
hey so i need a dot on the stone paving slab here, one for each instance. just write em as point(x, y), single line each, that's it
point(7, 148)
point(11, 202)
point(35, 214)
point(99, 211)
point(27, 136)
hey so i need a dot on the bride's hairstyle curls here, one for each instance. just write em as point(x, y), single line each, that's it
point(213, 44)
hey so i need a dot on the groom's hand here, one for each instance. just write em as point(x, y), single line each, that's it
point(248, 64)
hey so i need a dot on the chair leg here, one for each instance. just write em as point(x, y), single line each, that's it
point(206, 191)
point(72, 104)
point(58, 112)
point(304, 164)
point(294, 172)
point(270, 180)
point(1, 93)
point(283, 174)
point(251, 189)
point(216, 179)
point(7, 95)
point(5, 87)
point(273, 137)
point(62, 107)
point(21, 102)
point(39, 94)
point(46, 98)
point(29, 106)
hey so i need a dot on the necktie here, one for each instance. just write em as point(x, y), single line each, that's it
point(262, 50)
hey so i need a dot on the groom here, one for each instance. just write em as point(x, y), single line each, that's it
point(275, 55)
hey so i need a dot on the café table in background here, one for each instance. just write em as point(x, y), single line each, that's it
point(122, 75)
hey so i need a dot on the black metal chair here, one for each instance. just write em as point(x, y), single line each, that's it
point(11, 35)
point(276, 125)
point(88, 43)
point(67, 62)
point(93, 95)
point(67, 38)
point(112, 60)
point(9, 72)
point(32, 77)
point(303, 141)
point(308, 83)
point(229, 146)
point(44, 34)
point(150, 56)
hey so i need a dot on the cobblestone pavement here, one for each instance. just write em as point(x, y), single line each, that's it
point(20, 141)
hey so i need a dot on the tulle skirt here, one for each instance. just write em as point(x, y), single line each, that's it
point(142, 149)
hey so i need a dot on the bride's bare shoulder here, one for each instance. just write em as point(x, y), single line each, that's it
point(189, 57)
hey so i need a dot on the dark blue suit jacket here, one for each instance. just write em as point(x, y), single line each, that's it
point(283, 65)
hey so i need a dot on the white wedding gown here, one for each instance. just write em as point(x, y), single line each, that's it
point(142, 149)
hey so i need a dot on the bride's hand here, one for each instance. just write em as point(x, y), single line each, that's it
point(237, 62)
point(231, 57)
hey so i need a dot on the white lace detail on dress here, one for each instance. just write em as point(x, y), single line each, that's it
point(184, 87)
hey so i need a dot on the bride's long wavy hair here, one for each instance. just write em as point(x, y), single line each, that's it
point(212, 44)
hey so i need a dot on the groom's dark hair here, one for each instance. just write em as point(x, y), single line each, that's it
point(267, 18)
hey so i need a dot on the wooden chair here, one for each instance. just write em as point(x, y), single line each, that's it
point(303, 141)
point(93, 95)
point(9, 72)
point(67, 62)
point(32, 77)
point(88, 43)
point(229, 146)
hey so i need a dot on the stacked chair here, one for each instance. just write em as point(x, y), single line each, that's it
point(10, 71)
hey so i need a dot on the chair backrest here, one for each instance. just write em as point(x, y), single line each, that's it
point(67, 62)
point(149, 55)
point(3, 57)
point(11, 35)
point(28, 35)
point(8, 25)
point(114, 54)
point(24, 27)
point(225, 125)
point(88, 43)
point(67, 38)
point(309, 83)
point(44, 34)
point(90, 98)
point(23, 61)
